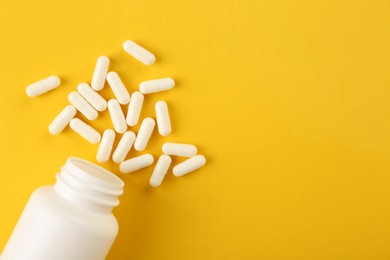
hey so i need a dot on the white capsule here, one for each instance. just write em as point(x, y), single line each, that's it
point(62, 120)
point(123, 147)
point(43, 86)
point(117, 116)
point(144, 133)
point(138, 52)
point(97, 101)
point(185, 150)
point(105, 147)
point(100, 72)
point(162, 118)
point(189, 165)
point(119, 89)
point(135, 106)
point(156, 85)
point(85, 130)
point(82, 105)
point(136, 163)
point(160, 170)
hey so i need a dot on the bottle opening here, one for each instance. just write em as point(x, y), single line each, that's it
point(86, 183)
point(96, 172)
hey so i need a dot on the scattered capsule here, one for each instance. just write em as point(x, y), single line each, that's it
point(189, 165)
point(85, 130)
point(123, 147)
point(156, 85)
point(135, 106)
point(144, 133)
point(119, 89)
point(162, 118)
point(97, 101)
point(62, 120)
point(117, 116)
point(82, 105)
point(185, 150)
point(100, 72)
point(136, 163)
point(160, 170)
point(138, 52)
point(43, 86)
point(105, 147)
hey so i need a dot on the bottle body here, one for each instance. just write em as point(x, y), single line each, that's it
point(58, 225)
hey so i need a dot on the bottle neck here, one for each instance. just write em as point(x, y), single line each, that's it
point(88, 185)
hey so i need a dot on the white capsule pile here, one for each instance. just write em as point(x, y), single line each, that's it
point(90, 103)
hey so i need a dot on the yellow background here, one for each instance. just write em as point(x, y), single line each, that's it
point(288, 100)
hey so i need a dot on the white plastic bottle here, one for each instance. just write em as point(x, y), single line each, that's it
point(71, 220)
